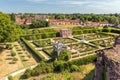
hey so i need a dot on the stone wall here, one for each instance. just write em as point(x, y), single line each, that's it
point(108, 63)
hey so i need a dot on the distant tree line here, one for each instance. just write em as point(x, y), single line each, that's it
point(111, 18)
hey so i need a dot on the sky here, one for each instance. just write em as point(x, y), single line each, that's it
point(60, 6)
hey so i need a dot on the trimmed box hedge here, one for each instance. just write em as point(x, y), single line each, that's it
point(32, 49)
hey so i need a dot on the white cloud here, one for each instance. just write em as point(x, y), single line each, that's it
point(86, 5)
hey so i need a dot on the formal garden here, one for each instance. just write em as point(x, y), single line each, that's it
point(108, 42)
point(41, 51)
point(77, 48)
point(39, 47)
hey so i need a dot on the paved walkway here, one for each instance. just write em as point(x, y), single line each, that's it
point(99, 39)
point(44, 55)
point(81, 56)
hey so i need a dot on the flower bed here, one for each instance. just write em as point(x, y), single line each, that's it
point(64, 40)
point(104, 43)
point(43, 43)
point(91, 36)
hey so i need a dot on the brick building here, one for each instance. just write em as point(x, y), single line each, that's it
point(66, 33)
point(21, 21)
point(64, 22)
point(90, 23)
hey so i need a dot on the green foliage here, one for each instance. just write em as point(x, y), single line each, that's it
point(54, 55)
point(10, 78)
point(12, 16)
point(83, 61)
point(35, 52)
point(13, 53)
point(40, 69)
point(115, 31)
point(9, 46)
point(39, 24)
point(74, 68)
point(15, 59)
point(105, 30)
point(61, 76)
point(90, 76)
point(27, 73)
point(25, 26)
point(89, 17)
point(65, 55)
point(40, 34)
point(8, 31)
point(59, 66)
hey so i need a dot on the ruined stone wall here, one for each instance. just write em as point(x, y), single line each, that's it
point(108, 62)
point(112, 67)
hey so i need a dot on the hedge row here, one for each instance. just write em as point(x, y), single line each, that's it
point(40, 30)
point(83, 61)
point(46, 52)
point(85, 31)
point(32, 49)
point(41, 36)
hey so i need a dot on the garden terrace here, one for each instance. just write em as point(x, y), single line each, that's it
point(65, 40)
point(103, 42)
point(95, 41)
point(33, 50)
point(25, 57)
point(50, 42)
point(91, 36)
point(81, 47)
point(38, 31)
point(41, 36)
point(75, 49)
point(43, 43)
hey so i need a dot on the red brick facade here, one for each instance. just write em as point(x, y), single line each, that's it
point(21, 21)
point(66, 33)
point(64, 22)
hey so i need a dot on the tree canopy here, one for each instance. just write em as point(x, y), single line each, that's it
point(8, 31)
point(39, 24)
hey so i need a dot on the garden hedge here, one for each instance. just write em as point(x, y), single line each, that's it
point(83, 61)
point(32, 49)
point(41, 35)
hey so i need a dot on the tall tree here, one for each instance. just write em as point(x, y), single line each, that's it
point(8, 31)
point(12, 16)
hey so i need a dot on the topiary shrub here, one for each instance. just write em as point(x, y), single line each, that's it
point(9, 46)
point(10, 78)
point(15, 59)
point(65, 55)
point(13, 53)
